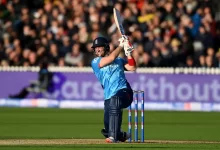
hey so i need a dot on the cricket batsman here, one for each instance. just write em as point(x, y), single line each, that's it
point(109, 70)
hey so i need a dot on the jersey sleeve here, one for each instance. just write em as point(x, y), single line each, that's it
point(95, 64)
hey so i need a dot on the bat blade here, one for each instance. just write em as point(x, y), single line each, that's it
point(118, 21)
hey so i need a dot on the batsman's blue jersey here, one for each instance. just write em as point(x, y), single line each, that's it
point(111, 77)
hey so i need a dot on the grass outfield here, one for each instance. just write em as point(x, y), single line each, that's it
point(35, 123)
point(118, 147)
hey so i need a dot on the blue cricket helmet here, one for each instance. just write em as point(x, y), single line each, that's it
point(101, 41)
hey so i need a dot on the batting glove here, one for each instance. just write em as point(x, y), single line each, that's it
point(122, 40)
point(128, 48)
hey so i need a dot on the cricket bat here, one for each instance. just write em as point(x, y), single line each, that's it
point(118, 21)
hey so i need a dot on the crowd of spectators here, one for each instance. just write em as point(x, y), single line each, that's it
point(165, 33)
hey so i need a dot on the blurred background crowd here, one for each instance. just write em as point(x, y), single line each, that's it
point(165, 33)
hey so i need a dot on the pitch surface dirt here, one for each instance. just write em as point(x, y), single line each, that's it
point(87, 141)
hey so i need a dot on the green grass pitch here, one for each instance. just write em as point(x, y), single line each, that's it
point(44, 123)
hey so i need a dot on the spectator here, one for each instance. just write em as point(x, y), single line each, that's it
point(187, 47)
point(209, 61)
point(204, 37)
point(166, 56)
point(177, 57)
point(156, 58)
point(190, 62)
point(25, 57)
point(218, 59)
point(61, 62)
point(2, 53)
point(145, 61)
point(211, 53)
point(4, 63)
point(75, 57)
point(66, 46)
point(202, 61)
point(53, 54)
point(50, 28)
point(149, 44)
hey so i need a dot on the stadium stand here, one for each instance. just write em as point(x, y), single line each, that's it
point(165, 33)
